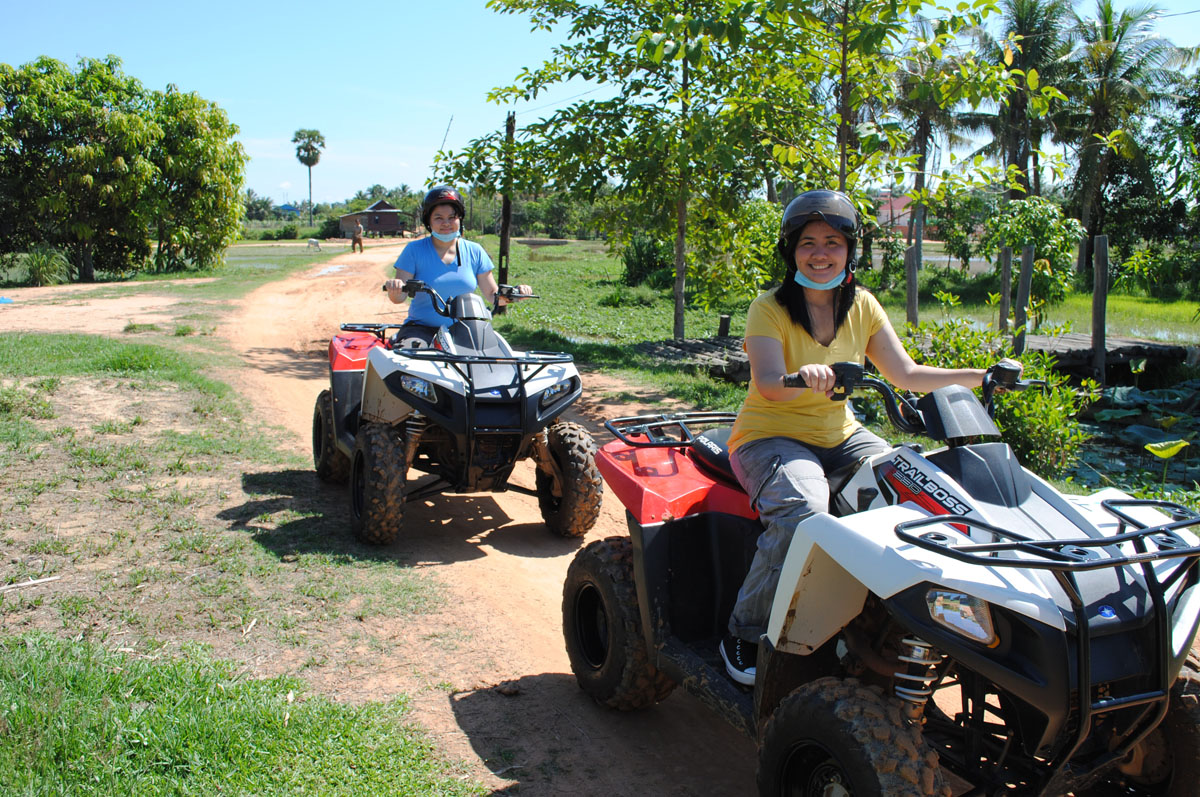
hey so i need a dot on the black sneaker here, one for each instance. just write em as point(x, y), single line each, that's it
point(739, 657)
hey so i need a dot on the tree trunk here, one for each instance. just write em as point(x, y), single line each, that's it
point(844, 99)
point(918, 215)
point(87, 267)
point(772, 196)
point(681, 213)
point(309, 196)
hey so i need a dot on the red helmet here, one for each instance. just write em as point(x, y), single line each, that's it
point(442, 195)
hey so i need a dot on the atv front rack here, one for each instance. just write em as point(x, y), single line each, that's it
point(665, 430)
point(1065, 558)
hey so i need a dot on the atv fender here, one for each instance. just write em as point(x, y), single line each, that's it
point(379, 403)
point(834, 562)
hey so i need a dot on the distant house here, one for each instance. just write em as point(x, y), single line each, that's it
point(378, 219)
point(894, 212)
point(289, 210)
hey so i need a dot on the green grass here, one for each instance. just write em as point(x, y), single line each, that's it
point(1165, 320)
point(76, 718)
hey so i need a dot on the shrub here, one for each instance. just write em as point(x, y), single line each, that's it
point(643, 256)
point(46, 265)
point(1038, 222)
point(287, 232)
point(1041, 426)
point(330, 228)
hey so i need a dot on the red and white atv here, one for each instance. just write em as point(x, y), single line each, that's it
point(463, 411)
point(953, 612)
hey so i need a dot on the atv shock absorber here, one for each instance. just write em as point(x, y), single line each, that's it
point(914, 684)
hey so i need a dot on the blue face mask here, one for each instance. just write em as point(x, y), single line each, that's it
point(445, 237)
point(820, 286)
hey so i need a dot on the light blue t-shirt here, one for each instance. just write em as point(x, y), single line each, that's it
point(421, 260)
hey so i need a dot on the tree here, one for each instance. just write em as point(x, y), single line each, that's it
point(309, 144)
point(926, 107)
point(196, 208)
point(1034, 43)
point(1123, 71)
point(258, 208)
point(663, 118)
point(93, 163)
point(73, 161)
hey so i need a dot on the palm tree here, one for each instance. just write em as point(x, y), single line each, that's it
point(1124, 71)
point(1041, 31)
point(309, 144)
point(920, 102)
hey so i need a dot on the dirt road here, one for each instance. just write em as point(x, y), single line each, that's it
point(487, 675)
point(537, 733)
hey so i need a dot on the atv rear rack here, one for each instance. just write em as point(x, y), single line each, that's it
point(1065, 558)
point(672, 430)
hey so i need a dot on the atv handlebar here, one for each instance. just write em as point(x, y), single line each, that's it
point(442, 307)
point(901, 408)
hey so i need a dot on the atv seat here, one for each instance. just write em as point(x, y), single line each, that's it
point(710, 449)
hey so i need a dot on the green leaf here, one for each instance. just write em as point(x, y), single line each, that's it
point(1114, 414)
point(1167, 448)
point(1031, 79)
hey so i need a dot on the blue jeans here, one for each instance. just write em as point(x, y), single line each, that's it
point(785, 480)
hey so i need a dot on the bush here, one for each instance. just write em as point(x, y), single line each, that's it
point(287, 232)
point(1041, 426)
point(45, 265)
point(330, 228)
point(1039, 222)
point(644, 256)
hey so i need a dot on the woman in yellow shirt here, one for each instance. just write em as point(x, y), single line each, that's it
point(786, 440)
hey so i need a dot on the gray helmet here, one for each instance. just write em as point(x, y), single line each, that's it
point(832, 207)
point(442, 195)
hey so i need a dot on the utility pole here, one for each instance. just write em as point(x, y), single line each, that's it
point(510, 126)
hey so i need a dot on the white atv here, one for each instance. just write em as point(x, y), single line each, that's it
point(464, 411)
point(953, 613)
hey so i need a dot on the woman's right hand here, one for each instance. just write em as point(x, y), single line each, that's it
point(395, 291)
point(819, 378)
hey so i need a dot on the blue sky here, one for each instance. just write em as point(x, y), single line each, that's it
point(382, 82)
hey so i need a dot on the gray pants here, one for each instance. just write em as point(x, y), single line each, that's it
point(786, 481)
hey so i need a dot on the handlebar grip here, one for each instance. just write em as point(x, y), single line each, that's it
point(847, 376)
point(1005, 374)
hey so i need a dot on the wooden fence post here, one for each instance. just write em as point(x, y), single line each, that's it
point(723, 326)
point(1005, 286)
point(1099, 305)
point(910, 277)
point(1022, 309)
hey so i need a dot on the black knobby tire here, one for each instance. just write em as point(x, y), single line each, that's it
point(331, 464)
point(603, 629)
point(833, 732)
point(1171, 753)
point(574, 451)
point(377, 483)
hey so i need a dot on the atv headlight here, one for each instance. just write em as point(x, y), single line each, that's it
point(963, 614)
point(552, 394)
point(419, 387)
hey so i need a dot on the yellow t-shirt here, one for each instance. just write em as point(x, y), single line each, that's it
point(811, 418)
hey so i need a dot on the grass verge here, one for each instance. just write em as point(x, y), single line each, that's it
point(77, 718)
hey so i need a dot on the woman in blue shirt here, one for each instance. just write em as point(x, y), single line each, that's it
point(445, 261)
